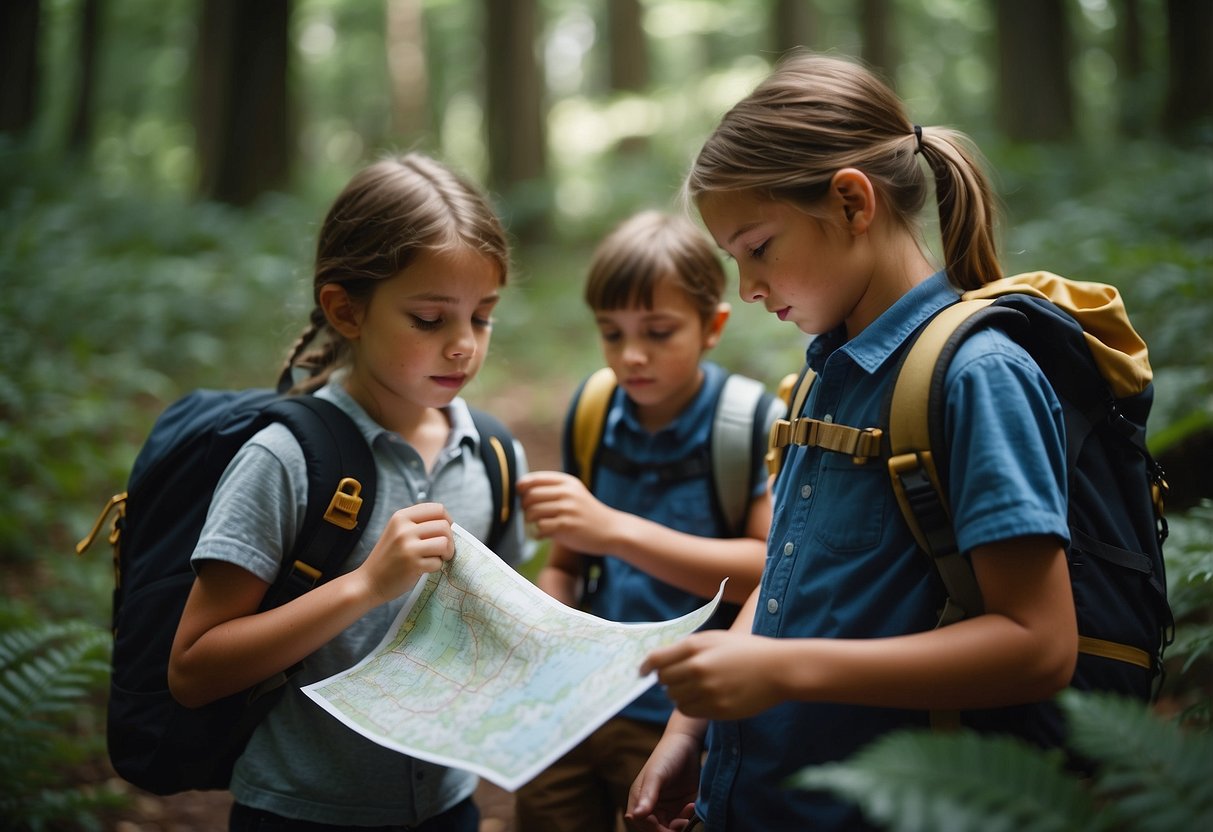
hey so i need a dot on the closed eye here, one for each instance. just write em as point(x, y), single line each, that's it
point(758, 250)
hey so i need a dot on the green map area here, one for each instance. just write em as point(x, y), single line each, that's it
point(485, 672)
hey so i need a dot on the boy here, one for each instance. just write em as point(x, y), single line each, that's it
point(655, 286)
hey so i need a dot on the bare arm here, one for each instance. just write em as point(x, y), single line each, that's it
point(1022, 649)
point(561, 575)
point(563, 509)
point(223, 644)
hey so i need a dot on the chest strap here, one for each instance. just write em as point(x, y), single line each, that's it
point(861, 444)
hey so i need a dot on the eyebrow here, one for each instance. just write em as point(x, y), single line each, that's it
point(743, 229)
point(434, 297)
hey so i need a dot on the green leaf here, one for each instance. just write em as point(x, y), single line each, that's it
point(916, 781)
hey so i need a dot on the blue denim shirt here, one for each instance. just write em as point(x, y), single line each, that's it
point(628, 593)
point(841, 562)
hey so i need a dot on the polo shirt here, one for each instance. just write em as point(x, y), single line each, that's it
point(301, 762)
point(841, 562)
point(626, 592)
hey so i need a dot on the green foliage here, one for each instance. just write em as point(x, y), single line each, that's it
point(50, 673)
point(1190, 590)
point(1150, 776)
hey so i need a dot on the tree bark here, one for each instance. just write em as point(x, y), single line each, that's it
point(514, 115)
point(876, 25)
point(407, 68)
point(1035, 96)
point(242, 115)
point(793, 24)
point(80, 133)
point(1190, 67)
point(19, 77)
point(629, 70)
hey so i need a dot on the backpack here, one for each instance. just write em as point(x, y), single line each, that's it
point(739, 435)
point(1080, 336)
point(154, 742)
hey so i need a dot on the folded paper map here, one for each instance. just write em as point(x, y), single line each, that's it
point(484, 671)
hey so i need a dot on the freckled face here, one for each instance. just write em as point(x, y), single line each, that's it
point(424, 333)
point(655, 352)
point(800, 268)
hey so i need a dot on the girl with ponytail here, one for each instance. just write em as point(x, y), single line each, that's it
point(814, 184)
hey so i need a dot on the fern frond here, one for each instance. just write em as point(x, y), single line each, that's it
point(49, 667)
point(918, 781)
point(1156, 775)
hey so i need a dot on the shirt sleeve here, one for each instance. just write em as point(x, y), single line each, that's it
point(257, 505)
point(1006, 444)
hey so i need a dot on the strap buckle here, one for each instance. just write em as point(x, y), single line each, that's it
point(346, 503)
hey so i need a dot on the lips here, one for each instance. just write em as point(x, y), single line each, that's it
point(782, 314)
point(453, 381)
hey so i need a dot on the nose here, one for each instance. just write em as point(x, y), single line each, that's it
point(634, 354)
point(462, 343)
point(751, 289)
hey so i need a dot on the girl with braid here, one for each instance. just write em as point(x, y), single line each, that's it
point(813, 184)
point(410, 265)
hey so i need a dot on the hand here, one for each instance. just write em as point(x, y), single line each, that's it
point(720, 674)
point(559, 506)
point(662, 799)
point(416, 541)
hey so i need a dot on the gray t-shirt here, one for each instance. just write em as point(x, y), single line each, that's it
point(301, 762)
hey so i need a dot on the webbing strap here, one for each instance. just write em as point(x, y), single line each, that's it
point(861, 444)
point(1114, 650)
point(588, 420)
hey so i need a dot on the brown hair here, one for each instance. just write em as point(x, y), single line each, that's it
point(646, 249)
point(386, 214)
point(817, 114)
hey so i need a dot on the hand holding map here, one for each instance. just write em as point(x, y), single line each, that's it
point(484, 671)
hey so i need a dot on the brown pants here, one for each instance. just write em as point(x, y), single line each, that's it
point(586, 790)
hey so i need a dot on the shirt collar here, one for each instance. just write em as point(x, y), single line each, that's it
point(457, 413)
point(870, 349)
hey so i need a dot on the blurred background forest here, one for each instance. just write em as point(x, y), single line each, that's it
point(164, 165)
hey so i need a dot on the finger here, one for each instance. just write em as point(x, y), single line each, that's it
point(663, 657)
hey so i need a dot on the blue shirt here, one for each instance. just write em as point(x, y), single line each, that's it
point(626, 592)
point(841, 562)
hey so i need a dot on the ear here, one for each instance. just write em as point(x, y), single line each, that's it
point(342, 312)
point(715, 327)
point(854, 193)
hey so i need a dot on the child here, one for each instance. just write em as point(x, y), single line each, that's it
point(409, 268)
point(655, 287)
point(813, 183)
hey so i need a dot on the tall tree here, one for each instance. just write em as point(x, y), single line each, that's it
point(1190, 66)
point(242, 116)
point(19, 24)
point(80, 132)
point(1131, 67)
point(793, 23)
point(407, 68)
point(514, 115)
point(1035, 96)
point(876, 28)
point(629, 55)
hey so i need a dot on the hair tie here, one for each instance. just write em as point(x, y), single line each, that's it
point(918, 138)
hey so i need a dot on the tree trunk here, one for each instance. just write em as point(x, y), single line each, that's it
point(793, 24)
point(80, 133)
point(876, 26)
point(628, 46)
point(1131, 69)
point(407, 69)
point(19, 38)
point(514, 118)
point(1035, 98)
point(1190, 67)
point(242, 116)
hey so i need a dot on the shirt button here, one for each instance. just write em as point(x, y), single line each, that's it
point(806, 491)
point(789, 548)
point(421, 495)
point(829, 417)
point(772, 606)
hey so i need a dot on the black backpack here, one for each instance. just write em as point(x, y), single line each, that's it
point(154, 742)
point(1080, 336)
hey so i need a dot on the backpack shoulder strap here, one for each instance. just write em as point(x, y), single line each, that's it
point(912, 459)
point(341, 492)
point(501, 463)
point(793, 391)
point(739, 429)
point(586, 423)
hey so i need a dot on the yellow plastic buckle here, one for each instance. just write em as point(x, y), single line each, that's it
point(118, 501)
point(344, 507)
